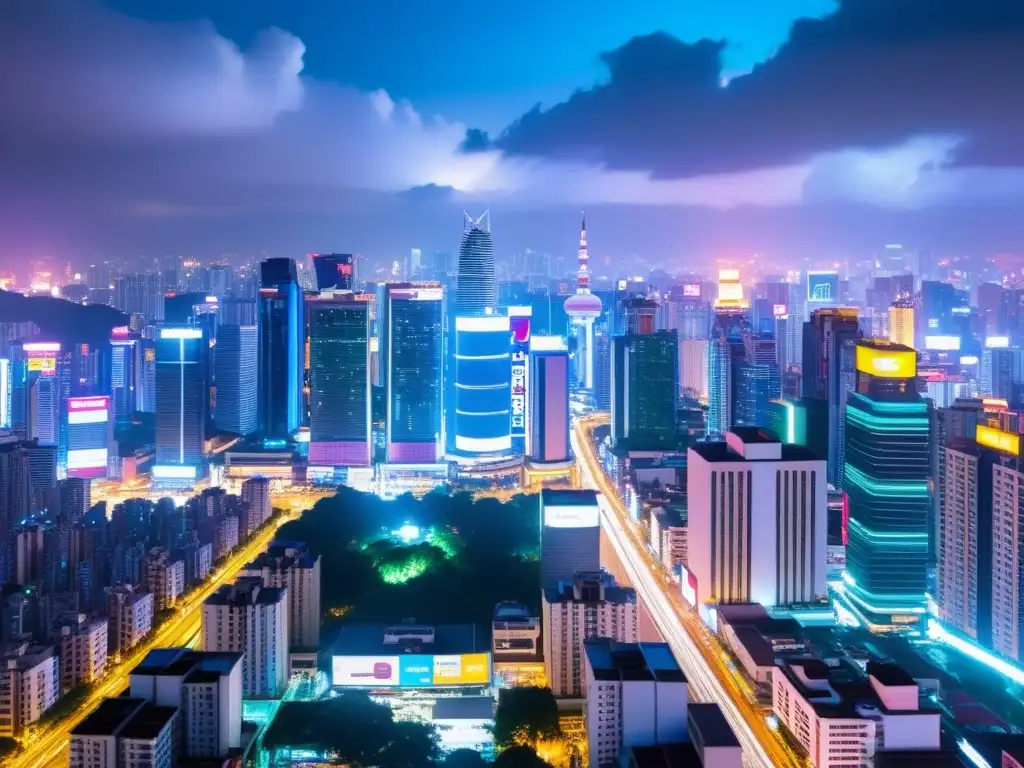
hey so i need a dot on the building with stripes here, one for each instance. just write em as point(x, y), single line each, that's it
point(180, 404)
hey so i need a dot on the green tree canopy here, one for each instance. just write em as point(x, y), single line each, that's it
point(525, 716)
point(520, 757)
point(465, 758)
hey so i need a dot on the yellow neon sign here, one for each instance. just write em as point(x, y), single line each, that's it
point(887, 363)
point(1007, 442)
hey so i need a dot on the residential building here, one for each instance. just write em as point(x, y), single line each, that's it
point(164, 578)
point(131, 617)
point(83, 650)
point(125, 733)
point(29, 685)
point(256, 494)
point(291, 565)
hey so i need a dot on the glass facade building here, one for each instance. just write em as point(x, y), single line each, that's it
point(281, 339)
point(483, 386)
point(235, 357)
point(645, 390)
point(475, 295)
point(180, 398)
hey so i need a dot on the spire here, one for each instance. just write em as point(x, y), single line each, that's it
point(583, 224)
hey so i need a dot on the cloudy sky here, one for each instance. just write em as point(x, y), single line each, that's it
point(689, 129)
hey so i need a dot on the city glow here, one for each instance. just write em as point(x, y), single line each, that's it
point(939, 634)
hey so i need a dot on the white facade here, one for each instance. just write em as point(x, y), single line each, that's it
point(1007, 560)
point(591, 606)
point(693, 368)
point(256, 493)
point(299, 571)
point(148, 750)
point(668, 539)
point(83, 650)
point(252, 619)
point(131, 617)
point(29, 685)
point(958, 544)
point(163, 578)
point(226, 540)
point(757, 521)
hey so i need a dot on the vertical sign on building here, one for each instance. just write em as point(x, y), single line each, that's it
point(519, 321)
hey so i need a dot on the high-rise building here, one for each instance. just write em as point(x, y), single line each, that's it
point(483, 385)
point(340, 400)
point(141, 294)
point(83, 649)
point(602, 366)
point(570, 539)
point(886, 483)
point(180, 404)
point(590, 605)
point(236, 358)
point(412, 350)
point(163, 577)
point(694, 359)
point(90, 436)
point(475, 295)
point(131, 617)
point(720, 371)
point(124, 732)
point(16, 491)
point(756, 380)
point(290, 564)
point(29, 685)
point(583, 309)
point(125, 371)
point(335, 271)
point(763, 536)
point(281, 345)
point(256, 495)
point(548, 425)
point(901, 323)
point(645, 390)
point(250, 618)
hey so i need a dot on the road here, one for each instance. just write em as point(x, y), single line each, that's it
point(46, 745)
point(696, 649)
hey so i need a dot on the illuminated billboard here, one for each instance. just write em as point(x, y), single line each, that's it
point(572, 516)
point(942, 343)
point(781, 311)
point(1007, 442)
point(411, 670)
point(688, 585)
point(997, 342)
point(692, 290)
point(89, 436)
point(822, 287)
point(887, 363)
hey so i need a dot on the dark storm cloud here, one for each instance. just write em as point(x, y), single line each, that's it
point(872, 74)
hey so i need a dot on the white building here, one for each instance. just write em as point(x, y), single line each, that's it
point(514, 632)
point(253, 619)
point(591, 605)
point(842, 725)
point(29, 685)
point(226, 538)
point(83, 650)
point(693, 368)
point(256, 493)
point(757, 520)
point(164, 578)
point(131, 617)
point(958, 539)
point(207, 689)
point(636, 697)
point(124, 733)
point(668, 537)
point(292, 565)
point(1007, 556)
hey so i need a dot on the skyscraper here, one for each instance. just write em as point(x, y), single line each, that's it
point(340, 426)
point(756, 380)
point(125, 370)
point(281, 340)
point(15, 498)
point(180, 403)
point(570, 539)
point(645, 390)
point(886, 484)
point(235, 358)
point(476, 268)
point(548, 428)
point(901, 323)
point(483, 387)
point(334, 270)
point(412, 351)
point(583, 309)
point(720, 371)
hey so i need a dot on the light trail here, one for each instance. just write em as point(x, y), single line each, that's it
point(46, 745)
point(695, 648)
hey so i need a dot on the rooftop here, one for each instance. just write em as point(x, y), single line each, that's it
point(246, 591)
point(109, 717)
point(368, 639)
point(148, 722)
point(563, 498)
point(720, 452)
point(709, 727)
point(664, 756)
point(175, 662)
point(611, 660)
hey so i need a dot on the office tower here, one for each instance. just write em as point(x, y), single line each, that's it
point(645, 390)
point(548, 426)
point(689, 314)
point(1001, 373)
point(412, 348)
point(938, 300)
point(994, 304)
point(886, 483)
point(756, 380)
point(570, 534)
point(281, 343)
point(15, 498)
point(256, 495)
point(131, 617)
point(334, 271)
point(694, 362)
point(475, 295)
point(163, 577)
point(763, 538)
point(29, 685)
point(253, 619)
point(90, 436)
point(589, 605)
point(602, 367)
point(340, 425)
point(83, 650)
point(141, 294)
point(901, 323)
point(180, 403)
point(205, 686)
point(125, 370)
point(636, 697)
point(483, 388)
point(829, 375)
point(720, 371)
point(290, 564)
point(583, 309)
point(146, 396)
point(236, 359)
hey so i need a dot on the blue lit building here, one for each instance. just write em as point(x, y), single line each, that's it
point(181, 392)
point(125, 370)
point(483, 394)
point(887, 488)
point(756, 380)
point(720, 372)
point(334, 271)
point(645, 390)
point(236, 357)
point(475, 294)
point(281, 339)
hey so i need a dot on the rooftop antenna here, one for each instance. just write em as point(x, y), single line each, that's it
point(483, 222)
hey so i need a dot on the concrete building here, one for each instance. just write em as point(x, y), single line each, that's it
point(256, 494)
point(636, 697)
point(164, 578)
point(290, 564)
point(205, 686)
point(757, 524)
point(850, 723)
point(125, 733)
point(83, 650)
point(591, 605)
point(29, 685)
point(570, 539)
point(131, 617)
point(250, 618)
point(668, 537)
point(514, 633)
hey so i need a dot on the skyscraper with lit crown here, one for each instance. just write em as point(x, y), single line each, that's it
point(476, 268)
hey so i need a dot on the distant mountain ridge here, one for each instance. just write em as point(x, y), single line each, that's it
point(62, 320)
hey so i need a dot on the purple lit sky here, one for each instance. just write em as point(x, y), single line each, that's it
point(688, 130)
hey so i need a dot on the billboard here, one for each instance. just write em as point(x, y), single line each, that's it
point(997, 342)
point(1008, 442)
point(572, 516)
point(692, 290)
point(411, 671)
point(42, 357)
point(942, 343)
point(89, 435)
point(887, 363)
point(688, 585)
point(780, 311)
point(822, 287)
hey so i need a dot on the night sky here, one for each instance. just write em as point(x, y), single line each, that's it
point(689, 130)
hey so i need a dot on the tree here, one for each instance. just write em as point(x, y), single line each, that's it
point(525, 716)
point(464, 758)
point(520, 757)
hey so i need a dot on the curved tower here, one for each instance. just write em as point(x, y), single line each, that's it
point(476, 268)
point(583, 309)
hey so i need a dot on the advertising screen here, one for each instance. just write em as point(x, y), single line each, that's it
point(822, 287)
point(887, 364)
point(692, 290)
point(1008, 442)
point(519, 378)
point(571, 516)
point(88, 436)
point(366, 671)
point(997, 342)
point(467, 669)
point(688, 584)
point(780, 310)
point(416, 671)
point(942, 343)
